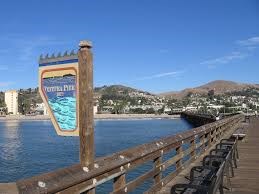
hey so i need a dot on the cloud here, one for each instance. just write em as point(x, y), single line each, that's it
point(23, 51)
point(3, 51)
point(27, 47)
point(163, 50)
point(249, 45)
point(160, 75)
point(212, 66)
point(3, 67)
point(6, 84)
point(254, 41)
point(225, 59)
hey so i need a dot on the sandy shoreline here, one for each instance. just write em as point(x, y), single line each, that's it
point(97, 117)
point(133, 116)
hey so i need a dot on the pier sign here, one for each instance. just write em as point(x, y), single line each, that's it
point(58, 86)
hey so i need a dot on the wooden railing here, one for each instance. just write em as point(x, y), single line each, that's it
point(78, 179)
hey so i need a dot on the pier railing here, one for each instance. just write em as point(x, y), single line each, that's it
point(186, 147)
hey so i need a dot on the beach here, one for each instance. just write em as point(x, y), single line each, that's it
point(96, 116)
point(134, 116)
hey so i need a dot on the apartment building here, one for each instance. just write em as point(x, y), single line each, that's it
point(11, 101)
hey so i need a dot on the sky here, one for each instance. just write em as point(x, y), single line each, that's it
point(156, 46)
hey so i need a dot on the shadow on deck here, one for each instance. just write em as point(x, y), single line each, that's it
point(246, 179)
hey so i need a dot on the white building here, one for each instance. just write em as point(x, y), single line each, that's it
point(95, 110)
point(11, 101)
point(191, 108)
point(215, 106)
point(41, 108)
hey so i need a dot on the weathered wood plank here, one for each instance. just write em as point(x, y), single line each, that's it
point(86, 117)
point(8, 188)
point(246, 179)
point(78, 177)
point(180, 178)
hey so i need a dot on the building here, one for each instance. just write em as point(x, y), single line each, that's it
point(41, 109)
point(95, 110)
point(11, 101)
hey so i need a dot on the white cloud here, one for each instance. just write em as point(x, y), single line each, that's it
point(160, 75)
point(249, 42)
point(25, 50)
point(163, 50)
point(6, 84)
point(3, 67)
point(212, 66)
point(3, 51)
point(27, 47)
point(249, 45)
point(225, 59)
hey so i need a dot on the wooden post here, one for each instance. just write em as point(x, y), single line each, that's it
point(202, 147)
point(119, 182)
point(157, 162)
point(193, 146)
point(86, 120)
point(179, 151)
point(211, 136)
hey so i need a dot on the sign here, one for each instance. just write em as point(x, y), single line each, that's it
point(58, 86)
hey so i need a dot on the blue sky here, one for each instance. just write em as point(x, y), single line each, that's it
point(156, 46)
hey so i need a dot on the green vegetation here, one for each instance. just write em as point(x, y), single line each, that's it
point(27, 99)
point(247, 92)
point(119, 99)
point(2, 102)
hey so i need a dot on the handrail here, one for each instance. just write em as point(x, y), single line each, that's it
point(77, 179)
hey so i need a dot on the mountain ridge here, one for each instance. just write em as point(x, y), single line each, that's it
point(219, 87)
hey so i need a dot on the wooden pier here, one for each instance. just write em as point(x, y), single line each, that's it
point(78, 178)
point(246, 179)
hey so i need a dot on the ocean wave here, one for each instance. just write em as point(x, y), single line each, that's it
point(64, 109)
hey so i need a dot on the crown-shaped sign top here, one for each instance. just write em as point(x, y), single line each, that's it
point(58, 57)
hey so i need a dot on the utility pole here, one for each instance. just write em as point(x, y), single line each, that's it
point(86, 117)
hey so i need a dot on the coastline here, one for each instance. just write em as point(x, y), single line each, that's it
point(133, 116)
point(96, 117)
point(25, 118)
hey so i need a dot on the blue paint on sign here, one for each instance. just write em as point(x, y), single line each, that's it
point(61, 96)
point(58, 62)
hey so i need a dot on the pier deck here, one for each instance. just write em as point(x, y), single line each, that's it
point(246, 179)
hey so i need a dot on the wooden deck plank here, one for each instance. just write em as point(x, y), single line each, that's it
point(180, 178)
point(246, 180)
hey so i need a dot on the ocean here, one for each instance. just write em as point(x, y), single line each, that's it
point(28, 148)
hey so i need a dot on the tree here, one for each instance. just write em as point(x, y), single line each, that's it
point(137, 111)
point(150, 111)
point(211, 94)
point(2, 103)
point(186, 101)
point(119, 107)
point(189, 94)
point(161, 110)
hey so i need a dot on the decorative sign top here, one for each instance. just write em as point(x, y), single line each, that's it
point(58, 86)
point(53, 59)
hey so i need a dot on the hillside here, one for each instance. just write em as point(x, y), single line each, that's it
point(219, 87)
point(133, 96)
point(116, 90)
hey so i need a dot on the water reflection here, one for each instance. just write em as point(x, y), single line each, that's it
point(11, 141)
point(28, 148)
